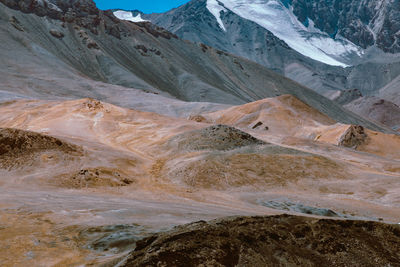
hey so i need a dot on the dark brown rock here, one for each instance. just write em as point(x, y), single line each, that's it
point(272, 241)
point(19, 148)
point(258, 124)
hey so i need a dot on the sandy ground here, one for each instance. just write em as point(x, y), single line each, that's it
point(140, 172)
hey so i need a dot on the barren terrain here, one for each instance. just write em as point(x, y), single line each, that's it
point(86, 179)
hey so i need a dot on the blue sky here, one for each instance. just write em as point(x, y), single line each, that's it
point(146, 6)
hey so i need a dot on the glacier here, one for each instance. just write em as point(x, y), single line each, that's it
point(279, 19)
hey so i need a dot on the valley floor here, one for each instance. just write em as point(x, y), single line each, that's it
point(82, 181)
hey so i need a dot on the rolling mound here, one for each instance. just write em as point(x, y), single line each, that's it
point(282, 115)
point(271, 241)
point(43, 159)
point(94, 121)
point(217, 137)
point(254, 169)
point(18, 147)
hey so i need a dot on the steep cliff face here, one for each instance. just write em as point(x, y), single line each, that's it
point(365, 23)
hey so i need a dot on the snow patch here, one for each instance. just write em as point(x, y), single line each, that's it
point(127, 15)
point(274, 16)
point(215, 8)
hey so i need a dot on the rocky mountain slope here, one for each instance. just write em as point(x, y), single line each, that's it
point(377, 109)
point(254, 30)
point(240, 36)
point(365, 23)
point(56, 50)
point(261, 38)
point(275, 17)
point(83, 180)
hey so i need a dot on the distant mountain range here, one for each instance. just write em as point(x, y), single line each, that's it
point(56, 49)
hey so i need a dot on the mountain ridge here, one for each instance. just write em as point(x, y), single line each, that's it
point(127, 55)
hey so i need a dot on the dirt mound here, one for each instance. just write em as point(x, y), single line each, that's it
point(282, 115)
point(224, 171)
point(217, 137)
point(271, 241)
point(18, 147)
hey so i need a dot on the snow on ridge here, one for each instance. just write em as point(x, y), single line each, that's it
point(215, 8)
point(281, 21)
point(127, 15)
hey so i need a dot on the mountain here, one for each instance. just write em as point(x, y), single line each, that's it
point(115, 132)
point(246, 38)
point(282, 36)
point(291, 38)
point(60, 49)
point(275, 17)
point(365, 23)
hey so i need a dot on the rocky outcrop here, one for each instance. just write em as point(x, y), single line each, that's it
point(82, 12)
point(282, 240)
point(364, 22)
point(217, 137)
point(353, 137)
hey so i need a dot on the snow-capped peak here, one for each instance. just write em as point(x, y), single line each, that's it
point(279, 19)
point(127, 15)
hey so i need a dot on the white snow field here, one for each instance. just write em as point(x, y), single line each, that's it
point(127, 15)
point(279, 19)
